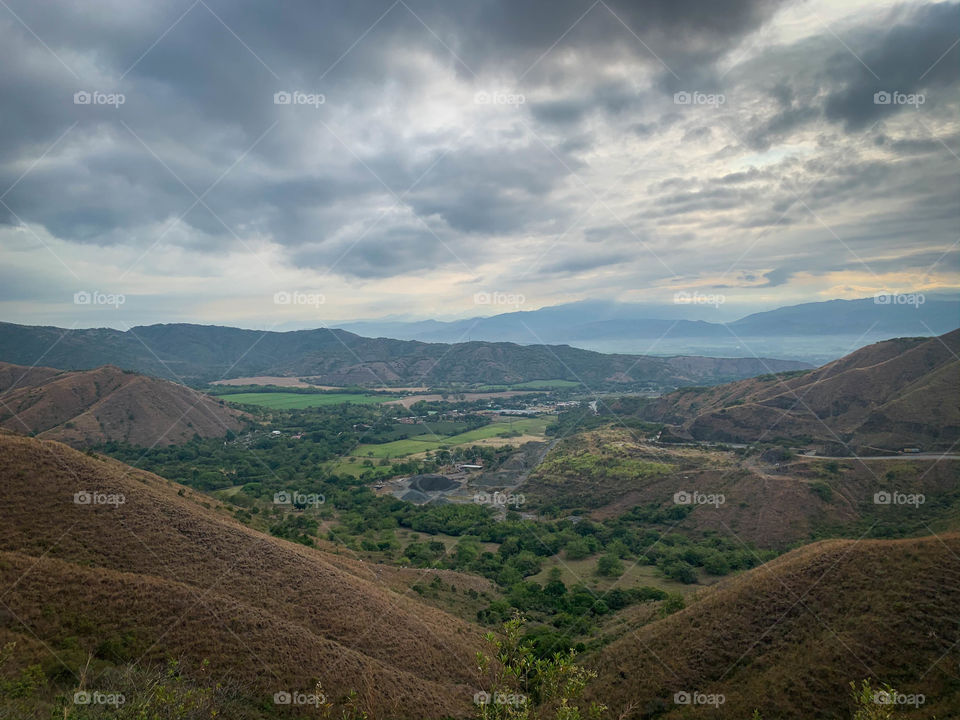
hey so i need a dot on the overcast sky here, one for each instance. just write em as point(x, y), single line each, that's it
point(434, 150)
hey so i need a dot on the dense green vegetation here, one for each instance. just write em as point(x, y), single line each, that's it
point(248, 469)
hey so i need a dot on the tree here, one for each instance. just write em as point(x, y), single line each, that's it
point(577, 549)
point(524, 687)
point(609, 566)
point(873, 704)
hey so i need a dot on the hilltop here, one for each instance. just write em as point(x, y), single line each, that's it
point(336, 357)
point(108, 404)
point(156, 575)
point(883, 397)
point(769, 498)
point(787, 638)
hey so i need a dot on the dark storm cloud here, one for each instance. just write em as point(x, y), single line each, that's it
point(371, 181)
point(909, 52)
point(908, 58)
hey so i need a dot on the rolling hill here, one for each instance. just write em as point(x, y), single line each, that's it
point(787, 638)
point(883, 397)
point(769, 500)
point(154, 574)
point(95, 406)
point(203, 353)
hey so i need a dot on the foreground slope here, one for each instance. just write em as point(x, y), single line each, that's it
point(787, 638)
point(172, 578)
point(96, 406)
point(883, 397)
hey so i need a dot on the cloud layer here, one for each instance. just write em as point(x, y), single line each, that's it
point(399, 157)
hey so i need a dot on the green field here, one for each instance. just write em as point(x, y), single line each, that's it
point(298, 401)
point(422, 443)
point(545, 384)
point(529, 385)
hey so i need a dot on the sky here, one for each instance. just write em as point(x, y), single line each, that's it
point(307, 163)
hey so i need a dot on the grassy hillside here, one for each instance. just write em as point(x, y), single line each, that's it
point(883, 397)
point(158, 575)
point(788, 637)
point(774, 499)
point(97, 406)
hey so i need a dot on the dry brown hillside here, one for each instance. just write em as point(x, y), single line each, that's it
point(94, 406)
point(883, 397)
point(788, 637)
point(774, 502)
point(172, 578)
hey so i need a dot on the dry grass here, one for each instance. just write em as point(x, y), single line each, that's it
point(93, 406)
point(770, 506)
point(187, 581)
point(889, 395)
point(787, 638)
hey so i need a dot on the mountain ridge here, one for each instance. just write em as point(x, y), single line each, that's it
point(887, 396)
point(201, 353)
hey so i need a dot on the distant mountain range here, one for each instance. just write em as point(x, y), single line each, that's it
point(94, 406)
point(883, 397)
point(203, 353)
point(626, 327)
